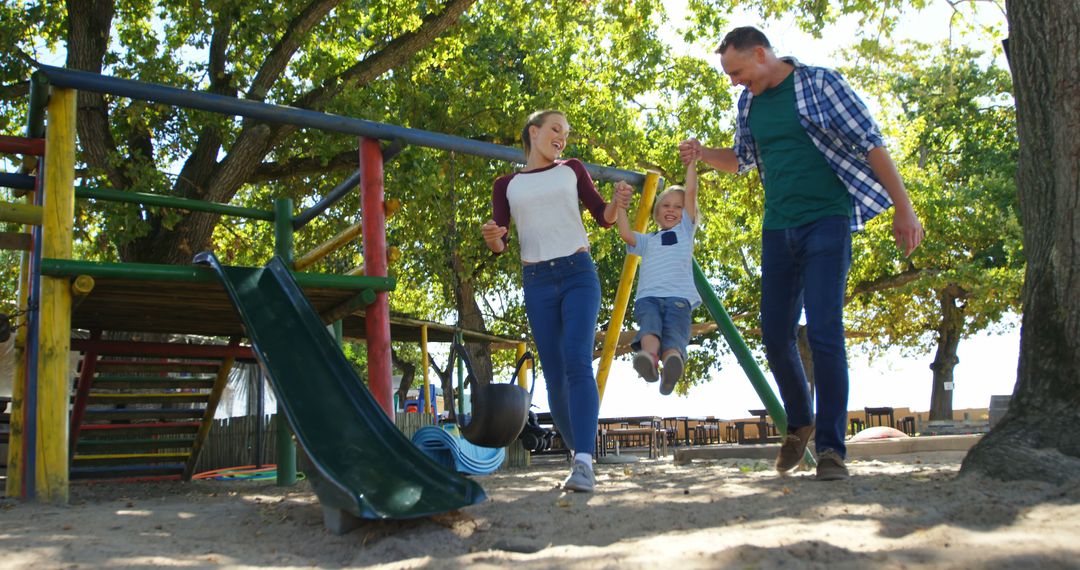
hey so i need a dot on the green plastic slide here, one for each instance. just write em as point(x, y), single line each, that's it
point(363, 466)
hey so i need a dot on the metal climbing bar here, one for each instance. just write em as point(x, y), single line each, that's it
point(282, 114)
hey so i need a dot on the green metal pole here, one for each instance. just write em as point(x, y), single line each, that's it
point(197, 274)
point(113, 195)
point(742, 353)
point(283, 248)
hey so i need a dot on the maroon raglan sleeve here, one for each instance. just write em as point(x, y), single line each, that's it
point(587, 193)
point(500, 207)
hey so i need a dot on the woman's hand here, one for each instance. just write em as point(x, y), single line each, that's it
point(493, 234)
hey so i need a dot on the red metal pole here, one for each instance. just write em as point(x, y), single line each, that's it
point(22, 145)
point(373, 221)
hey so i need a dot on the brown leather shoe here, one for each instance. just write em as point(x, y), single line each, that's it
point(794, 448)
point(830, 466)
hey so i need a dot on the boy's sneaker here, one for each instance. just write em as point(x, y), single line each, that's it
point(581, 478)
point(673, 368)
point(645, 364)
point(793, 449)
point(830, 466)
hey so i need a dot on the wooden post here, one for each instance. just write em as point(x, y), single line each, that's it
point(54, 376)
point(373, 218)
point(429, 401)
point(523, 371)
point(15, 484)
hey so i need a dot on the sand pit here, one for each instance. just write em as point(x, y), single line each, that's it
point(904, 511)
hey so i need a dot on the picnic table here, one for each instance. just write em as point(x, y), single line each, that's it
point(633, 431)
point(766, 432)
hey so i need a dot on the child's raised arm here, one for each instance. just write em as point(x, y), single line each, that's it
point(691, 187)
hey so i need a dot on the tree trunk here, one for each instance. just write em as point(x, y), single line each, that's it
point(202, 176)
point(1039, 437)
point(408, 374)
point(945, 360)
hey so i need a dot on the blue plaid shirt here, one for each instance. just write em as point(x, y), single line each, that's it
point(840, 126)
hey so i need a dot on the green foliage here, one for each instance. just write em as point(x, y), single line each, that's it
point(628, 97)
point(957, 149)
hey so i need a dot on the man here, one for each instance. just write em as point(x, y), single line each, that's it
point(826, 172)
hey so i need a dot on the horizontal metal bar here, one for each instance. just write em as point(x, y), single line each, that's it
point(114, 195)
point(18, 213)
point(16, 241)
point(17, 181)
point(200, 274)
point(336, 194)
point(131, 348)
point(281, 114)
point(22, 145)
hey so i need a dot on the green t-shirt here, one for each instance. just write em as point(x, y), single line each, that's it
point(800, 187)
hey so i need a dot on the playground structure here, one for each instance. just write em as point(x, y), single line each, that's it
point(65, 294)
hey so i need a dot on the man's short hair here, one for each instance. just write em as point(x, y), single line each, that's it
point(743, 38)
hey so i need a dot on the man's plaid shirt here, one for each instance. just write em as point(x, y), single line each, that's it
point(840, 126)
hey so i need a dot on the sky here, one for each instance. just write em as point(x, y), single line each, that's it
point(988, 361)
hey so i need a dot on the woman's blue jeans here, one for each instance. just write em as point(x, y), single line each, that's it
point(807, 267)
point(562, 301)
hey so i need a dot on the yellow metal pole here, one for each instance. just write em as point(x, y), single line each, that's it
point(626, 280)
point(429, 402)
point(54, 378)
point(14, 484)
point(327, 247)
point(522, 376)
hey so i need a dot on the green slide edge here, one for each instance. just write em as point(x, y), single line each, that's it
point(362, 463)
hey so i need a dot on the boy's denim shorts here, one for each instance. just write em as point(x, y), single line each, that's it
point(665, 317)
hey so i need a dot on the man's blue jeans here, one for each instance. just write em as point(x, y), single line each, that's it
point(807, 267)
point(562, 301)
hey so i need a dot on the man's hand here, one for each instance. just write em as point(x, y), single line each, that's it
point(907, 231)
point(689, 151)
point(623, 193)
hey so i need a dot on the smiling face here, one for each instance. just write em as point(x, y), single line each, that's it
point(548, 139)
point(668, 211)
point(747, 67)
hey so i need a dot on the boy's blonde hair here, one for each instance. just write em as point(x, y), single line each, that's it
point(660, 198)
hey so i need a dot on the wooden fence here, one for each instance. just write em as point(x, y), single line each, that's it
point(232, 442)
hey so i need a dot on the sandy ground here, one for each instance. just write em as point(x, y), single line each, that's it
point(907, 511)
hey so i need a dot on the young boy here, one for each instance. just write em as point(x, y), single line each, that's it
point(665, 293)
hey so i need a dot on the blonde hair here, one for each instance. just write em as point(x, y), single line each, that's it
point(660, 198)
point(535, 120)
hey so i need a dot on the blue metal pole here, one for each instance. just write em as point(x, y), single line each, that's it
point(17, 181)
point(336, 194)
point(281, 114)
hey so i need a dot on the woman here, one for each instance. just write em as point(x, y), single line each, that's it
point(562, 291)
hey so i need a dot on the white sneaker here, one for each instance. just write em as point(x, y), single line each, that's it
point(645, 366)
point(581, 478)
point(673, 369)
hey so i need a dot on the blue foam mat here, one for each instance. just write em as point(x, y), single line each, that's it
point(446, 446)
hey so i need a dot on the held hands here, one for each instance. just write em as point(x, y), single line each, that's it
point(622, 195)
point(689, 151)
point(493, 235)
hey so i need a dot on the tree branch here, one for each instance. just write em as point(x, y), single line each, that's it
point(304, 166)
point(890, 282)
